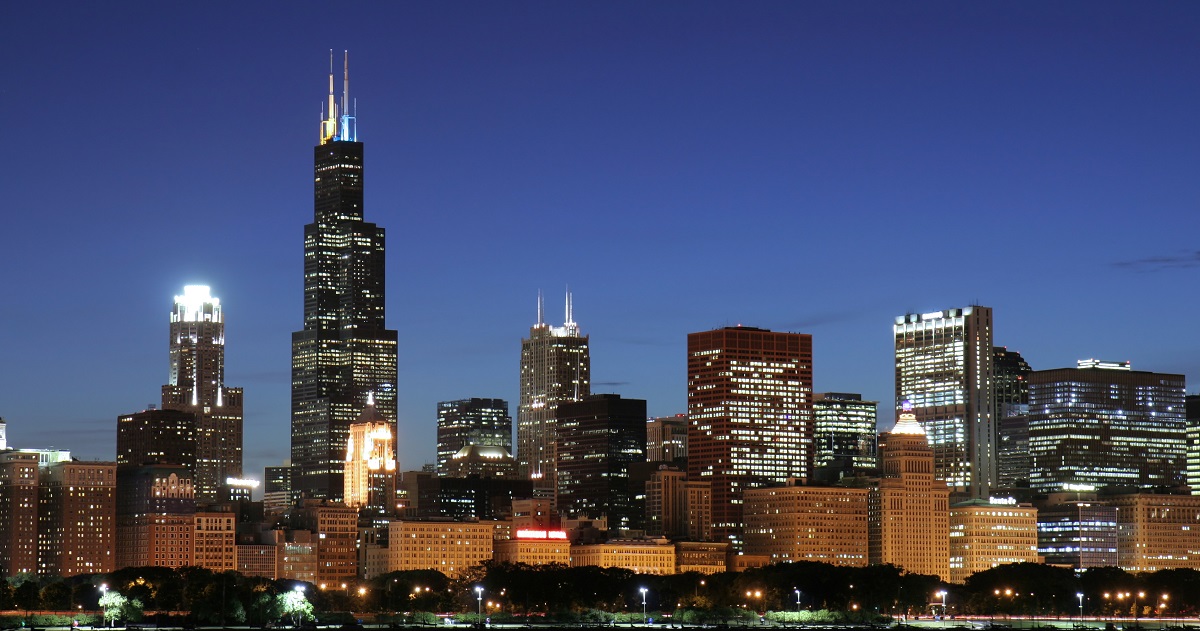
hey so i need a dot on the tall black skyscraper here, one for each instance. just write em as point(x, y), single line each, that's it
point(345, 352)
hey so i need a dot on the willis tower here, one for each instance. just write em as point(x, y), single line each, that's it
point(344, 356)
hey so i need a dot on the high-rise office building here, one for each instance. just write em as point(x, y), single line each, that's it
point(677, 508)
point(1076, 531)
point(18, 513)
point(1192, 405)
point(945, 369)
point(749, 415)
point(599, 438)
point(196, 384)
point(344, 353)
point(370, 475)
point(1104, 424)
point(844, 432)
point(77, 518)
point(277, 489)
point(157, 437)
point(475, 421)
point(556, 367)
point(1012, 423)
point(908, 512)
point(666, 439)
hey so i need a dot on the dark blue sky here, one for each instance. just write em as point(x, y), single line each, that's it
point(800, 166)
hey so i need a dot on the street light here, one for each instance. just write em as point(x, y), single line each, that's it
point(479, 598)
point(103, 593)
point(1079, 595)
point(797, 601)
point(1137, 607)
point(643, 590)
point(943, 595)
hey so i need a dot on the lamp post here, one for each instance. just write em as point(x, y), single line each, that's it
point(1137, 607)
point(1079, 595)
point(479, 600)
point(943, 595)
point(103, 593)
point(643, 590)
point(797, 600)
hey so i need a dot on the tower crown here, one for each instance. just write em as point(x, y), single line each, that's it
point(337, 123)
point(907, 424)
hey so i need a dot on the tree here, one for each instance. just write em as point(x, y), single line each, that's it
point(113, 604)
point(294, 604)
point(27, 596)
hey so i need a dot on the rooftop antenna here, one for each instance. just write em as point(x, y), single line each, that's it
point(569, 321)
point(330, 123)
point(541, 308)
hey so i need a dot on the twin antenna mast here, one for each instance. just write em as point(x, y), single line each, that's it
point(337, 123)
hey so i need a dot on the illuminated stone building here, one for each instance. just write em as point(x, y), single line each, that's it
point(599, 438)
point(370, 473)
point(556, 367)
point(987, 533)
point(945, 369)
point(749, 415)
point(1157, 531)
point(807, 523)
point(155, 516)
point(844, 432)
point(641, 556)
point(534, 547)
point(446, 546)
point(77, 518)
point(1103, 424)
point(344, 353)
point(666, 439)
point(908, 511)
point(677, 507)
point(466, 422)
point(18, 513)
point(214, 541)
point(704, 557)
point(335, 530)
point(196, 385)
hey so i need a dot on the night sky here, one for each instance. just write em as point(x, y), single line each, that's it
point(799, 166)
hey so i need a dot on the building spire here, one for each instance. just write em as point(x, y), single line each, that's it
point(330, 123)
point(541, 309)
point(338, 123)
point(570, 314)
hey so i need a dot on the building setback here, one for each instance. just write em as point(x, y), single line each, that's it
point(749, 415)
point(944, 368)
point(344, 354)
point(556, 368)
point(1102, 424)
point(599, 438)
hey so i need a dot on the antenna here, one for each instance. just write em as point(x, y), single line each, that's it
point(541, 308)
point(569, 320)
point(345, 80)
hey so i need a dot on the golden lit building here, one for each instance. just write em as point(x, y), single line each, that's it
point(77, 518)
point(450, 547)
point(214, 542)
point(370, 472)
point(908, 513)
point(807, 523)
point(155, 509)
point(1157, 532)
point(987, 533)
point(653, 556)
point(335, 527)
point(705, 557)
point(534, 547)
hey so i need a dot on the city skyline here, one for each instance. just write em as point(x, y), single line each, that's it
point(1036, 159)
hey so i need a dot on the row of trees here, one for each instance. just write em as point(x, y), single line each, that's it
point(508, 589)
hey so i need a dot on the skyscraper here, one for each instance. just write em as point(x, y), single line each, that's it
point(370, 474)
point(844, 433)
point(749, 415)
point(944, 367)
point(483, 422)
point(196, 385)
point(1012, 421)
point(556, 367)
point(344, 353)
point(598, 439)
point(1103, 424)
point(666, 439)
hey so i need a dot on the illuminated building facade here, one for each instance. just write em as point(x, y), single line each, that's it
point(944, 368)
point(655, 556)
point(18, 513)
point(676, 507)
point(446, 546)
point(749, 415)
point(534, 547)
point(1012, 423)
point(704, 557)
point(157, 437)
point(1157, 531)
point(844, 432)
point(214, 542)
point(599, 438)
point(1077, 533)
point(987, 533)
point(1103, 424)
point(370, 473)
point(808, 523)
point(908, 512)
point(556, 367)
point(335, 530)
point(481, 461)
point(196, 384)
point(465, 422)
point(77, 518)
point(1192, 404)
point(155, 509)
point(344, 354)
point(666, 439)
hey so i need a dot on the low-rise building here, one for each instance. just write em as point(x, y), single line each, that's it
point(1157, 531)
point(807, 523)
point(643, 556)
point(987, 533)
point(450, 547)
point(534, 547)
point(704, 557)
